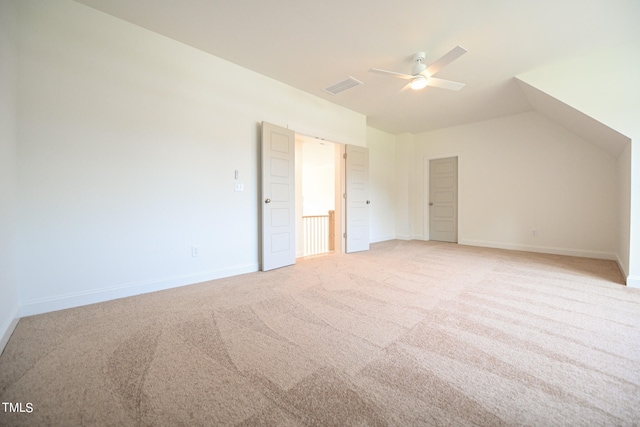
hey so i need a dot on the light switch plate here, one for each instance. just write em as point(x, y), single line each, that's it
point(239, 186)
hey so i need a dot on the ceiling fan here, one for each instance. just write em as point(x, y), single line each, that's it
point(422, 76)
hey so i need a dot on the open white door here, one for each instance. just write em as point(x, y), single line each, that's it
point(278, 197)
point(357, 198)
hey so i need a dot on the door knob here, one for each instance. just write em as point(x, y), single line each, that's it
point(368, 201)
point(267, 201)
point(430, 203)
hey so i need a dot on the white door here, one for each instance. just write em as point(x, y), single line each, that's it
point(443, 199)
point(357, 198)
point(278, 197)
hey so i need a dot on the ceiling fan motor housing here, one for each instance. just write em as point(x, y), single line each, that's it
point(418, 66)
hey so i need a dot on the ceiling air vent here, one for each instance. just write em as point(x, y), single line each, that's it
point(343, 85)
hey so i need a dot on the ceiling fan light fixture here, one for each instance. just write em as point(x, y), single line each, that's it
point(422, 75)
point(418, 82)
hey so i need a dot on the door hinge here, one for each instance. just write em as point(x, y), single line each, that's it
point(344, 235)
point(344, 195)
point(344, 156)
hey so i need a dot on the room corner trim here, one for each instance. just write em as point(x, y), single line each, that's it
point(621, 266)
point(6, 334)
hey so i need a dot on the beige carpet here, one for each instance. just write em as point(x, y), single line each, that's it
point(409, 333)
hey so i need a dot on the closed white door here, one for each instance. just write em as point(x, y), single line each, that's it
point(357, 198)
point(278, 247)
point(443, 199)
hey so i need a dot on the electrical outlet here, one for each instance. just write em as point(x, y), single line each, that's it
point(195, 250)
point(239, 186)
point(534, 233)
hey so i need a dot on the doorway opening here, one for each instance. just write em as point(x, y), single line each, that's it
point(318, 209)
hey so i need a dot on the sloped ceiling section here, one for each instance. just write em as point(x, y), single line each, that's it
point(602, 84)
point(576, 121)
point(310, 44)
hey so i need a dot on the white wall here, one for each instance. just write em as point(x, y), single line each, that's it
point(624, 209)
point(405, 193)
point(524, 172)
point(128, 143)
point(633, 279)
point(611, 95)
point(382, 185)
point(9, 302)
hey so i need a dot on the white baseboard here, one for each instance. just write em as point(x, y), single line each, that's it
point(8, 330)
point(63, 302)
point(630, 281)
point(622, 266)
point(633, 281)
point(404, 237)
point(381, 239)
point(542, 249)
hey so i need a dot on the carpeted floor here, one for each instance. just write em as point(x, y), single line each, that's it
point(409, 333)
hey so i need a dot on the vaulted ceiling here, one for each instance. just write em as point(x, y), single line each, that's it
point(311, 45)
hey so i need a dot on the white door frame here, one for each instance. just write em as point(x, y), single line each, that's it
point(339, 238)
point(338, 192)
point(427, 195)
point(341, 226)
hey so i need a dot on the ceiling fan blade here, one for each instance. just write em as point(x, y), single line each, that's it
point(453, 54)
point(444, 84)
point(393, 73)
